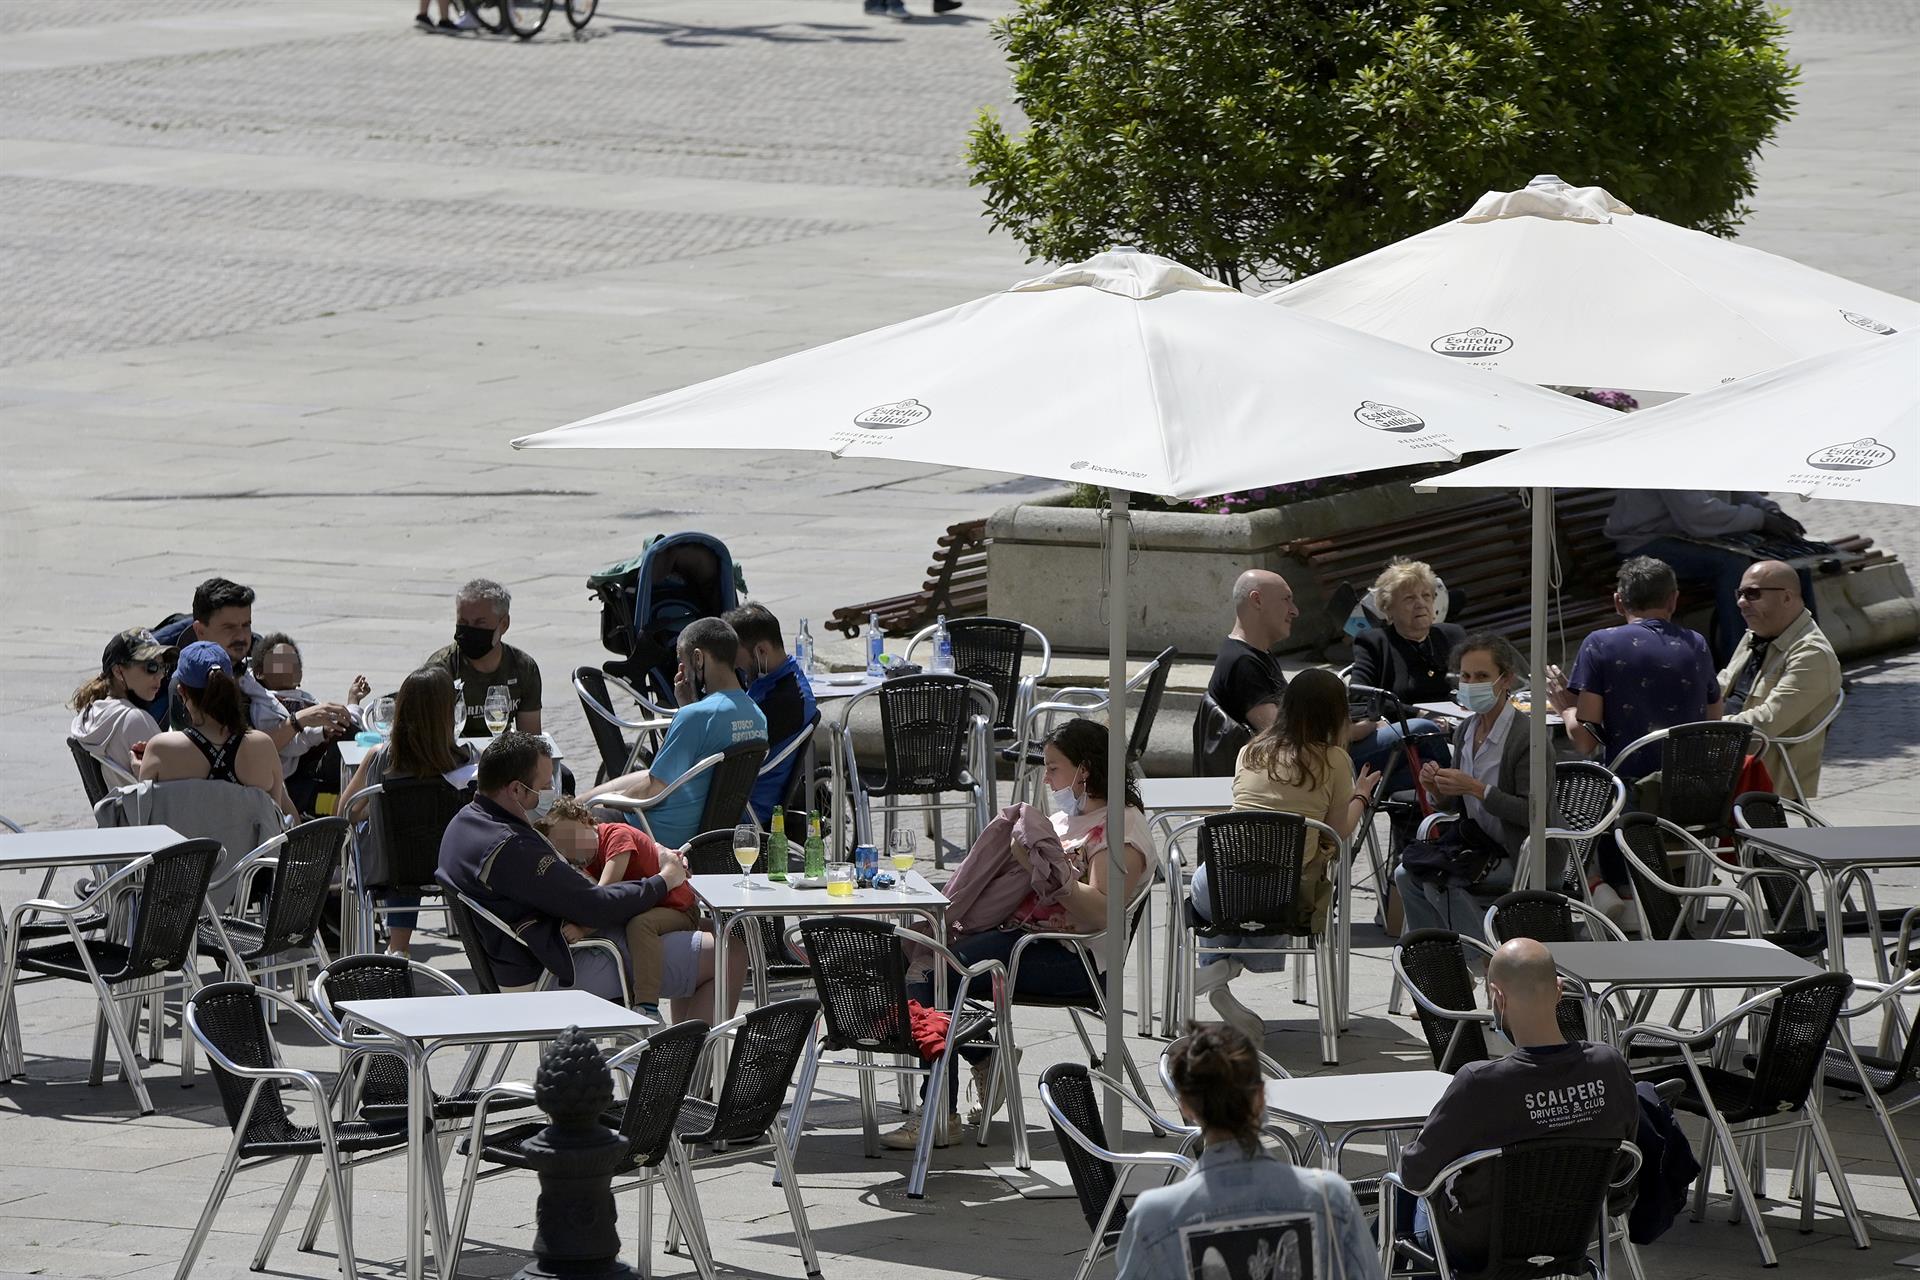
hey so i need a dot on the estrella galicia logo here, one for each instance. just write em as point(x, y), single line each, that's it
point(1863, 454)
point(1387, 417)
point(1868, 323)
point(1469, 343)
point(891, 417)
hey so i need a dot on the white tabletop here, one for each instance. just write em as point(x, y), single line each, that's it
point(723, 893)
point(512, 1014)
point(1453, 710)
point(1380, 1097)
point(1190, 794)
point(83, 846)
point(843, 686)
point(352, 753)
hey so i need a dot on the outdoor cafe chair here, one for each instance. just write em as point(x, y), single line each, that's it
point(285, 936)
point(993, 651)
point(1587, 799)
point(93, 776)
point(1700, 767)
point(609, 728)
point(1432, 963)
point(730, 773)
point(1100, 1174)
point(1550, 1201)
point(1026, 755)
point(800, 744)
point(710, 854)
point(412, 815)
point(1255, 861)
point(1788, 888)
point(469, 918)
point(28, 930)
point(1890, 1084)
point(1673, 910)
point(169, 899)
point(229, 1022)
point(1776, 748)
point(859, 971)
point(657, 1074)
point(1546, 916)
point(1269, 1070)
point(1774, 1095)
point(934, 733)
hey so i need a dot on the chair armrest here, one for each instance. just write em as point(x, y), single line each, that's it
point(1163, 1159)
point(967, 972)
point(252, 860)
point(1883, 993)
point(1661, 1031)
point(104, 889)
point(1645, 740)
point(1432, 820)
point(627, 804)
point(1161, 1125)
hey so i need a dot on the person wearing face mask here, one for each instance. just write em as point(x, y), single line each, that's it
point(715, 713)
point(779, 688)
point(480, 658)
point(1488, 790)
point(420, 745)
point(492, 853)
point(107, 717)
point(1547, 1087)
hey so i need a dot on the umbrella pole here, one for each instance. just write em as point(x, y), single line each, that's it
point(1117, 538)
point(1538, 783)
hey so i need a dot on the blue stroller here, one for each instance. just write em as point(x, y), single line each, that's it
point(647, 601)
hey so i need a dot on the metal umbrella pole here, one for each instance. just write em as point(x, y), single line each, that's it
point(1538, 778)
point(1117, 538)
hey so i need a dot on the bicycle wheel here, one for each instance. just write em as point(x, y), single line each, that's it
point(580, 12)
point(490, 14)
point(526, 17)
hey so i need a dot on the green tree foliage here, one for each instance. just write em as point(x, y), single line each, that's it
point(1267, 139)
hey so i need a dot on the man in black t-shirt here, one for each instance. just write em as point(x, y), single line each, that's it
point(1547, 1087)
point(1243, 697)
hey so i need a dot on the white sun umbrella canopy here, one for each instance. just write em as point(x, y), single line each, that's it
point(1843, 425)
point(1563, 285)
point(1128, 371)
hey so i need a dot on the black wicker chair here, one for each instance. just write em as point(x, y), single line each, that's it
point(168, 903)
point(859, 972)
point(1700, 765)
point(609, 728)
point(1068, 1092)
point(93, 777)
point(1432, 963)
point(1587, 798)
point(286, 935)
point(927, 733)
point(1770, 1097)
point(711, 853)
point(1665, 907)
point(1546, 916)
point(1547, 1201)
point(659, 1071)
point(228, 1021)
point(413, 814)
point(745, 1119)
point(1152, 693)
point(992, 651)
point(1786, 888)
point(1890, 1085)
point(1255, 861)
point(730, 775)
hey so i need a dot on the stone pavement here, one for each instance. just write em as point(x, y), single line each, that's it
point(286, 278)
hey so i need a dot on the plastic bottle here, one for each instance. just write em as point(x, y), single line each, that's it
point(942, 648)
point(816, 848)
point(777, 846)
point(876, 644)
point(803, 649)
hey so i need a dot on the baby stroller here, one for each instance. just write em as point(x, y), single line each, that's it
point(645, 602)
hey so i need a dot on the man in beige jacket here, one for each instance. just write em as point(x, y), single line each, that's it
point(1783, 678)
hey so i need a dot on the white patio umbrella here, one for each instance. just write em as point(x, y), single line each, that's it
point(1564, 285)
point(1127, 370)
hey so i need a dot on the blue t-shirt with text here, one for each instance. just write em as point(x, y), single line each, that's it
point(699, 729)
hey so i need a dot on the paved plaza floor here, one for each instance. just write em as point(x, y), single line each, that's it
point(283, 280)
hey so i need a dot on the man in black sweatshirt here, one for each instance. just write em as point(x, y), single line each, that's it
point(492, 854)
point(1546, 1087)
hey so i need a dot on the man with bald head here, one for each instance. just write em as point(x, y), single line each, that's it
point(1547, 1087)
point(1783, 676)
point(1243, 697)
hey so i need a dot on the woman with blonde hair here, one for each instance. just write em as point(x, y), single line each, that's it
point(1407, 657)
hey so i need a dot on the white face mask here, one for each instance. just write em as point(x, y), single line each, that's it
point(1066, 800)
point(1479, 698)
point(543, 801)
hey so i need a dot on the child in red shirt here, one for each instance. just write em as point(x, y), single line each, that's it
point(613, 851)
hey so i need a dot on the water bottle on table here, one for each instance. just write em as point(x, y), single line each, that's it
point(876, 644)
point(942, 648)
point(803, 649)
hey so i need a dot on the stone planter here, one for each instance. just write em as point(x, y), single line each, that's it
point(1044, 566)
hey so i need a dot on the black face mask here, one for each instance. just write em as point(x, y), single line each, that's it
point(474, 643)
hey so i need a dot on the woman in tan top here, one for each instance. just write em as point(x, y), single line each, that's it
point(1299, 764)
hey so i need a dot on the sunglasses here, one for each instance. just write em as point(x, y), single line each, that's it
point(1754, 593)
point(153, 666)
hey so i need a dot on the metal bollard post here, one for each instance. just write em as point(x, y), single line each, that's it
point(577, 1232)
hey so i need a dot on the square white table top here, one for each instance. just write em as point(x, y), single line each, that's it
point(1185, 794)
point(1379, 1097)
point(826, 687)
point(1736, 962)
point(723, 893)
point(529, 1015)
point(1883, 846)
point(83, 846)
point(352, 753)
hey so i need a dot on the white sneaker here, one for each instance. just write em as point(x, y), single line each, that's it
point(1211, 977)
point(907, 1136)
point(977, 1092)
point(1610, 904)
point(1238, 1015)
point(466, 21)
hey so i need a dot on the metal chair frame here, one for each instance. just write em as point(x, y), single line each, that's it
point(1382, 799)
point(1025, 681)
point(640, 808)
point(339, 1166)
point(1459, 1017)
point(976, 777)
point(245, 873)
point(1904, 1073)
point(801, 741)
point(1576, 835)
point(1597, 922)
point(354, 891)
point(1756, 744)
point(1074, 700)
point(547, 979)
point(1269, 1069)
point(650, 733)
point(1124, 1163)
point(1779, 743)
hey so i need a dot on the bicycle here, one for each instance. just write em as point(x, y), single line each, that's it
point(527, 18)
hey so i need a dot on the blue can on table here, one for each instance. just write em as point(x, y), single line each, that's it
point(866, 864)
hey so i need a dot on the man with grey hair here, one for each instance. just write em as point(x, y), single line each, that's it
point(1243, 696)
point(480, 660)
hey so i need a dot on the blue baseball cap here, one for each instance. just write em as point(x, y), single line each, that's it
point(198, 659)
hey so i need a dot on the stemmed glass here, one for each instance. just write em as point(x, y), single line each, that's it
point(380, 719)
point(498, 710)
point(901, 847)
point(746, 852)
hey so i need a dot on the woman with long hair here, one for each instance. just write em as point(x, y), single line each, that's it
point(108, 718)
point(217, 743)
point(1216, 1076)
point(1297, 764)
point(420, 745)
point(1076, 779)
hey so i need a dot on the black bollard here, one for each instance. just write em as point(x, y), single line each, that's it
point(578, 1235)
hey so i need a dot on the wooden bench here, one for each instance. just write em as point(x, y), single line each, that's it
point(955, 585)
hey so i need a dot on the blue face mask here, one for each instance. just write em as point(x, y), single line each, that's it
point(1479, 698)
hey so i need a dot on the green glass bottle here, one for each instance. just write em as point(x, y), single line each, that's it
point(816, 848)
point(777, 847)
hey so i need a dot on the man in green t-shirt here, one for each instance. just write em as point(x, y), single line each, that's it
point(480, 660)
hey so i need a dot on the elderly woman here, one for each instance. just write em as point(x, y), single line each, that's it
point(1408, 657)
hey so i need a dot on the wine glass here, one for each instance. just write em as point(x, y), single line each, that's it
point(498, 710)
point(900, 846)
point(746, 852)
point(380, 719)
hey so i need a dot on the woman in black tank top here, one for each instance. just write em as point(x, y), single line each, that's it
point(219, 758)
point(215, 709)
